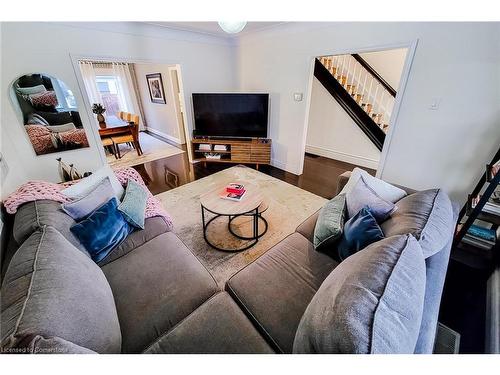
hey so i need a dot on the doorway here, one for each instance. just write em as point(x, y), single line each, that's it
point(142, 109)
point(352, 106)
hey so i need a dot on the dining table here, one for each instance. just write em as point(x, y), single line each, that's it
point(115, 126)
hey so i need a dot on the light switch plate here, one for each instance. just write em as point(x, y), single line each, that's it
point(297, 96)
point(435, 103)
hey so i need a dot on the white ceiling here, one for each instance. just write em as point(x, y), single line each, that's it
point(212, 28)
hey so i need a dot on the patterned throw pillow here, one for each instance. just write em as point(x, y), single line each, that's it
point(134, 202)
point(47, 99)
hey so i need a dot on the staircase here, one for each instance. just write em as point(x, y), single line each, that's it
point(361, 92)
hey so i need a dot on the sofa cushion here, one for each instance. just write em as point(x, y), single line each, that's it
point(153, 227)
point(155, 287)
point(32, 216)
point(371, 303)
point(427, 215)
point(49, 345)
point(330, 224)
point(275, 290)
point(52, 289)
point(218, 326)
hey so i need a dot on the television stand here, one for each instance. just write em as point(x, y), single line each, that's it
point(229, 150)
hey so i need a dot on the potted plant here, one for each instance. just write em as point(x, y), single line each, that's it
point(98, 109)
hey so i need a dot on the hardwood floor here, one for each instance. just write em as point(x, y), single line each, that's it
point(319, 176)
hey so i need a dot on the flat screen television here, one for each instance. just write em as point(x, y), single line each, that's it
point(231, 115)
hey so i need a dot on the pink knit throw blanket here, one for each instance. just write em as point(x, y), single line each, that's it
point(38, 190)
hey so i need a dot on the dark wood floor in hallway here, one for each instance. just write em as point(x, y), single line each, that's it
point(319, 176)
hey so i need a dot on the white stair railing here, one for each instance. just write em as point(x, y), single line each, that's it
point(362, 86)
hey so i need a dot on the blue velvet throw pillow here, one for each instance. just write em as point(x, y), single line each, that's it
point(359, 231)
point(362, 195)
point(133, 206)
point(102, 230)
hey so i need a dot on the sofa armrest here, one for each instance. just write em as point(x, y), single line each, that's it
point(307, 227)
point(342, 181)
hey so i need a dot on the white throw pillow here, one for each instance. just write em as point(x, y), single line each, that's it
point(31, 90)
point(383, 189)
point(62, 128)
point(87, 184)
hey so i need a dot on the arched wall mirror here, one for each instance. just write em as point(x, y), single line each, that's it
point(50, 114)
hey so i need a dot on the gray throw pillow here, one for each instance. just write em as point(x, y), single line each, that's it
point(133, 206)
point(52, 289)
point(362, 195)
point(330, 224)
point(427, 215)
point(372, 302)
point(84, 206)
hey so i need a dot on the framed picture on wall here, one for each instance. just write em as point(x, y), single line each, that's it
point(155, 85)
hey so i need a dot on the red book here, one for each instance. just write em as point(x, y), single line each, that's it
point(235, 188)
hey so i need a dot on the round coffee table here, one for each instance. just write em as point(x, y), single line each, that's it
point(252, 204)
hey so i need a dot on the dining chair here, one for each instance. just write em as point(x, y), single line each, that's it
point(110, 145)
point(133, 137)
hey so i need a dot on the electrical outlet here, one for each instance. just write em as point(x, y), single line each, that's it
point(297, 96)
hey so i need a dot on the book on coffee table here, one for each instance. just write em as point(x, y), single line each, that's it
point(235, 188)
point(233, 196)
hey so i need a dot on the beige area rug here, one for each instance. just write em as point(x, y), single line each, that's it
point(288, 207)
point(152, 148)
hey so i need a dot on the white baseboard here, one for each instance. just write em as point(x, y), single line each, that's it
point(279, 164)
point(342, 156)
point(164, 135)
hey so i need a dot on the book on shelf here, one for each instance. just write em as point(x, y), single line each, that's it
point(233, 196)
point(482, 232)
point(495, 168)
point(235, 188)
point(220, 148)
point(477, 242)
point(490, 206)
point(205, 147)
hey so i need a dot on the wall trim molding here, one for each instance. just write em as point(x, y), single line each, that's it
point(343, 156)
point(164, 135)
point(279, 164)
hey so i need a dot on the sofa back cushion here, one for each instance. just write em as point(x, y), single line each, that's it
point(371, 303)
point(33, 216)
point(54, 290)
point(427, 215)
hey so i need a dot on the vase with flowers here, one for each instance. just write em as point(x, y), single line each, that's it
point(98, 109)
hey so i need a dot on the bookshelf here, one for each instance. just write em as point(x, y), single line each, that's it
point(471, 250)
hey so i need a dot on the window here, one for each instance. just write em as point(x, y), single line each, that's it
point(65, 98)
point(112, 98)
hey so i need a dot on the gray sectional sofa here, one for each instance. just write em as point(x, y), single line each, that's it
point(152, 295)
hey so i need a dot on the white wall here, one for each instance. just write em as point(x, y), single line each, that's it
point(332, 132)
point(458, 62)
point(207, 64)
point(388, 63)
point(160, 118)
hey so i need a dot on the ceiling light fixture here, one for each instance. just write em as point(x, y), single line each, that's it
point(232, 27)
